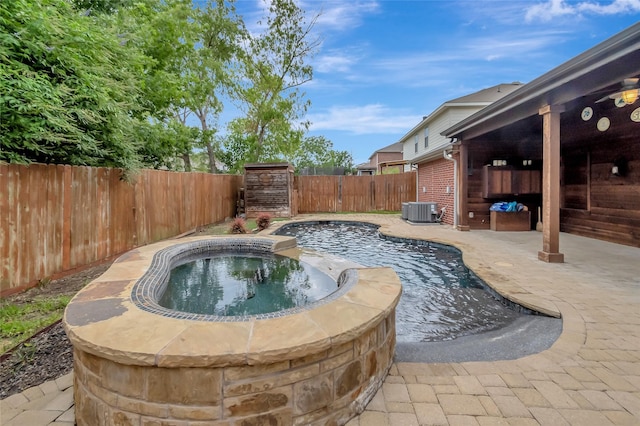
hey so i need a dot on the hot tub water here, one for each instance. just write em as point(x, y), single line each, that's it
point(244, 284)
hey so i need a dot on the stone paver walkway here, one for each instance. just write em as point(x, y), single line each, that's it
point(50, 403)
point(590, 376)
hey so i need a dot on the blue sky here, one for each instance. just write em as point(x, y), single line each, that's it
point(384, 64)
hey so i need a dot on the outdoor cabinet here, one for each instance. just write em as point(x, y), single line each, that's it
point(501, 181)
point(527, 181)
point(511, 221)
point(496, 181)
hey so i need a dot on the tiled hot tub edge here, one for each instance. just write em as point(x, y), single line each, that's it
point(340, 353)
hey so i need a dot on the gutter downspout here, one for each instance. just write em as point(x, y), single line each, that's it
point(448, 155)
point(417, 180)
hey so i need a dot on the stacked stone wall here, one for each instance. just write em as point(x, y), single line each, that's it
point(324, 388)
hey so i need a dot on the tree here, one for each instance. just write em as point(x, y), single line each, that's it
point(343, 159)
point(207, 73)
point(190, 50)
point(273, 67)
point(318, 152)
point(100, 6)
point(68, 87)
point(163, 143)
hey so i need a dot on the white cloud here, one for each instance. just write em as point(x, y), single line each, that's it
point(462, 58)
point(490, 48)
point(332, 14)
point(614, 8)
point(333, 63)
point(557, 8)
point(337, 60)
point(361, 120)
point(341, 15)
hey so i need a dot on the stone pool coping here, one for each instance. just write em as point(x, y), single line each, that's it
point(103, 320)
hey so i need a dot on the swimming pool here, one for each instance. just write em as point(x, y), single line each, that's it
point(441, 299)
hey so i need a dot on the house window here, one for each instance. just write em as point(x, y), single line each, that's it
point(415, 143)
point(426, 137)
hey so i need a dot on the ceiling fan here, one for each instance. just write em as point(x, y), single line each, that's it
point(628, 92)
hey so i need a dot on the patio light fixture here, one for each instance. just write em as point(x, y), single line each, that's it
point(629, 96)
point(628, 92)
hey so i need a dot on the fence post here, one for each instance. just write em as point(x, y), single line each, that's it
point(373, 193)
point(339, 206)
point(66, 219)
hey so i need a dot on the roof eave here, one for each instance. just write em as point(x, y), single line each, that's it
point(447, 105)
point(534, 95)
point(429, 156)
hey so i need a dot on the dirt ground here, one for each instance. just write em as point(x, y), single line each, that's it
point(47, 355)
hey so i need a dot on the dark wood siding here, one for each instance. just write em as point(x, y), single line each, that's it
point(595, 202)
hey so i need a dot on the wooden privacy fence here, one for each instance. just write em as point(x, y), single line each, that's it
point(55, 218)
point(316, 194)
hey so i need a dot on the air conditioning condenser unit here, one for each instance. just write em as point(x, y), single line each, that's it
point(420, 212)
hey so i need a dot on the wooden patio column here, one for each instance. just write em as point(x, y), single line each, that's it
point(463, 185)
point(551, 184)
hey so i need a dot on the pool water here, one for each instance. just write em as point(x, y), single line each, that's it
point(441, 298)
point(244, 284)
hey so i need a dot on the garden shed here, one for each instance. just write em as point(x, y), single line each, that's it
point(269, 189)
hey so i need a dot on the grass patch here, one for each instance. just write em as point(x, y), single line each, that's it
point(19, 321)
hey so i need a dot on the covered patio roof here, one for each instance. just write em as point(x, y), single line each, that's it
point(594, 73)
point(533, 113)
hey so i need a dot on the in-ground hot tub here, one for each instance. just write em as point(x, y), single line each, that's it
point(137, 362)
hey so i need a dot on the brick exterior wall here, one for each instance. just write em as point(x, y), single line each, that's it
point(435, 176)
point(381, 157)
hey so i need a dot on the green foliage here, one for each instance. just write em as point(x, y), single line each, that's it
point(120, 83)
point(161, 143)
point(239, 149)
point(68, 93)
point(100, 6)
point(20, 321)
point(273, 67)
point(317, 151)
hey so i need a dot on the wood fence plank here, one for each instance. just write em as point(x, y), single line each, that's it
point(317, 194)
point(57, 218)
point(66, 218)
point(5, 217)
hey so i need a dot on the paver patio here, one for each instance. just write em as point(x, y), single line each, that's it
point(590, 376)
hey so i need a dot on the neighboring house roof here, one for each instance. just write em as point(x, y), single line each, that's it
point(365, 166)
point(488, 95)
point(390, 163)
point(481, 98)
point(599, 69)
point(394, 147)
point(443, 117)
